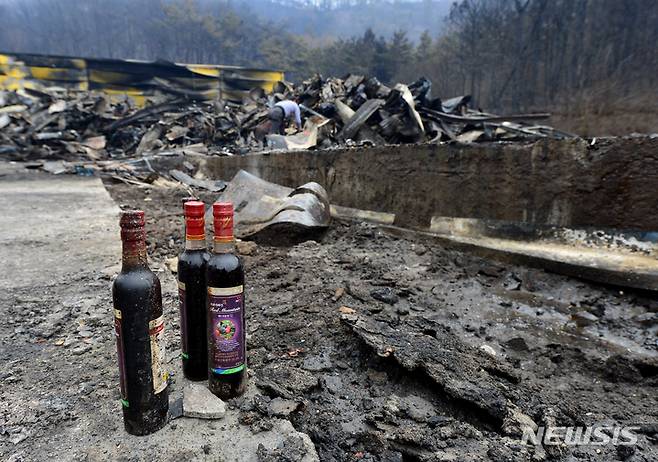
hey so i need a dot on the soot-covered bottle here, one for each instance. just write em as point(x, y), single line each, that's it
point(227, 349)
point(192, 292)
point(139, 329)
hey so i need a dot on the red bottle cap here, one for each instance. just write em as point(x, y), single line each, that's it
point(195, 222)
point(223, 221)
point(132, 225)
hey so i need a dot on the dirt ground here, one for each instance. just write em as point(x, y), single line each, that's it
point(378, 348)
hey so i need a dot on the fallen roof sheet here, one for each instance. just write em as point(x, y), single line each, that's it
point(260, 204)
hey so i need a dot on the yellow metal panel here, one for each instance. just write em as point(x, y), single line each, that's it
point(269, 86)
point(108, 77)
point(273, 76)
point(203, 69)
point(12, 75)
point(79, 64)
point(118, 90)
point(16, 72)
point(72, 73)
point(118, 95)
point(201, 83)
point(49, 73)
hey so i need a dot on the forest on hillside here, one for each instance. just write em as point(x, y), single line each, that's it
point(325, 20)
point(575, 56)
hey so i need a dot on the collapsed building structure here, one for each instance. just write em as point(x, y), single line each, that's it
point(354, 110)
point(52, 125)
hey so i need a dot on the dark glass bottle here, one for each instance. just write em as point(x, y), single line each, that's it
point(227, 349)
point(192, 292)
point(139, 328)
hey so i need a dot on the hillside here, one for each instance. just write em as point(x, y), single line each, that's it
point(344, 19)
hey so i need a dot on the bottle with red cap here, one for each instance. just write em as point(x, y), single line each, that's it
point(139, 329)
point(227, 349)
point(192, 292)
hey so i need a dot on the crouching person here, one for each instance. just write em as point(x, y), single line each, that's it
point(282, 113)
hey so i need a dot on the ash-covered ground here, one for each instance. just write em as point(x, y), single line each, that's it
point(380, 340)
point(379, 349)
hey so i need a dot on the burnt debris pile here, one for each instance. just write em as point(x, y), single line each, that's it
point(356, 110)
point(93, 126)
point(363, 110)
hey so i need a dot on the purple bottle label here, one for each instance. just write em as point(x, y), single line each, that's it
point(227, 333)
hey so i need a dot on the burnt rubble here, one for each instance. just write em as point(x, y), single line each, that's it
point(90, 126)
point(362, 110)
point(86, 133)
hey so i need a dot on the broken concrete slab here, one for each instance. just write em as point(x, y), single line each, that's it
point(200, 403)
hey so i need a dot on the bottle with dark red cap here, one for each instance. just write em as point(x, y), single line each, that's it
point(139, 328)
point(227, 349)
point(192, 292)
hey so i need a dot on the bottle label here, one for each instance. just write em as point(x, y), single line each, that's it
point(227, 337)
point(183, 320)
point(156, 332)
point(122, 358)
point(223, 225)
